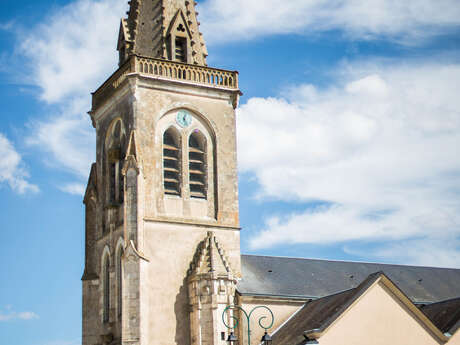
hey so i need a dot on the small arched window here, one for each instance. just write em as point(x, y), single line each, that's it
point(197, 165)
point(106, 288)
point(119, 283)
point(172, 162)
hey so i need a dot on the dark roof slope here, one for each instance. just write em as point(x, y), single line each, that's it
point(309, 278)
point(445, 315)
point(318, 314)
point(312, 315)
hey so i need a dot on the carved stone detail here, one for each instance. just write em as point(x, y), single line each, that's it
point(211, 288)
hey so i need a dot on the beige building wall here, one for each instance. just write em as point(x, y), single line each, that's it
point(378, 318)
point(455, 339)
point(282, 310)
point(170, 249)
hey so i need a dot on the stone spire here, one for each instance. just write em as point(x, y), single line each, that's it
point(164, 29)
point(210, 259)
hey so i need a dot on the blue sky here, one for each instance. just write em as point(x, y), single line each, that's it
point(349, 137)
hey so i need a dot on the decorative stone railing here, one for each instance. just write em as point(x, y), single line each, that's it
point(166, 69)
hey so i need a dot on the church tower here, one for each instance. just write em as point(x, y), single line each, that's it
point(162, 228)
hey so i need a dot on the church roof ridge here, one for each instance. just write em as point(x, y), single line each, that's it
point(349, 261)
point(315, 278)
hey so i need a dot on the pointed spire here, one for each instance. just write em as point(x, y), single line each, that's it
point(91, 189)
point(164, 29)
point(132, 149)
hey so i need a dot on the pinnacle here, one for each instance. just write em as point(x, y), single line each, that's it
point(153, 29)
point(210, 258)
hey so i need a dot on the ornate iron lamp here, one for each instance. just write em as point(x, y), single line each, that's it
point(266, 339)
point(232, 339)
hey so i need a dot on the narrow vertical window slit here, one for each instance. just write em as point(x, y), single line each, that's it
point(106, 290)
point(119, 284)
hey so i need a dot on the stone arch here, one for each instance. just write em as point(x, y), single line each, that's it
point(196, 112)
point(114, 148)
point(105, 280)
point(116, 132)
point(106, 254)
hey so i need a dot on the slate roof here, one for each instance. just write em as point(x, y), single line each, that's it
point(311, 278)
point(445, 315)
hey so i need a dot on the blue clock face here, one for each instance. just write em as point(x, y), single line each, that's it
point(184, 118)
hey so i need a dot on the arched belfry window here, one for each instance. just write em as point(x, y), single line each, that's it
point(172, 162)
point(197, 165)
point(106, 288)
point(115, 145)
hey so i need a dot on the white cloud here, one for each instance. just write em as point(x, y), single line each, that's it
point(407, 21)
point(27, 315)
point(11, 169)
point(74, 49)
point(74, 188)
point(7, 26)
point(380, 149)
point(433, 252)
point(70, 54)
point(68, 137)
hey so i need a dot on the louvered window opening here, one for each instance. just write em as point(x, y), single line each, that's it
point(181, 49)
point(197, 167)
point(171, 164)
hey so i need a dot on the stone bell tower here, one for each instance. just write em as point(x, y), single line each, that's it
point(162, 227)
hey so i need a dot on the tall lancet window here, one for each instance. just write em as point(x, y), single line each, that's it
point(106, 289)
point(172, 162)
point(197, 165)
point(119, 283)
point(115, 144)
